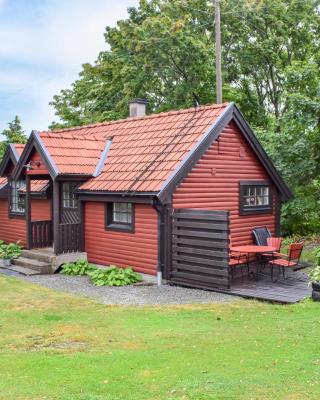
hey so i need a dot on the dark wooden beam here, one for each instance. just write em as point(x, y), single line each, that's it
point(28, 212)
point(56, 215)
point(116, 198)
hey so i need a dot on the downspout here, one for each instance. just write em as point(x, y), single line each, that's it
point(160, 210)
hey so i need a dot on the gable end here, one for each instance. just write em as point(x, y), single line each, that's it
point(36, 143)
point(231, 113)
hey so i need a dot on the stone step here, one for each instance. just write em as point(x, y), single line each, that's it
point(23, 270)
point(39, 266)
point(40, 255)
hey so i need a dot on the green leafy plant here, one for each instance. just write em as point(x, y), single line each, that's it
point(114, 276)
point(80, 268)
point(9, 251)
point(314, 275)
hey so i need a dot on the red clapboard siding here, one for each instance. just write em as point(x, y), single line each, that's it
point(38, 165)
point(40, 209)
point(213, 184)
point(138, 249)
point(13, 229)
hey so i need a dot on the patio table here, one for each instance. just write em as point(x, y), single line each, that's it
point(253, 249)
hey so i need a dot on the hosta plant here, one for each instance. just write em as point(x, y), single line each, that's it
point(314, 275)
point(115, 276)
point(79, 268)
point(9, 251)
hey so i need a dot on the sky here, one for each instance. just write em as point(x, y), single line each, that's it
point(43, 44)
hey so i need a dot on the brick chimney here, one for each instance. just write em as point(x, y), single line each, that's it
point(137, 107)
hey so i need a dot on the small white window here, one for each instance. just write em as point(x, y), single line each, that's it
point(255, 197)
point(17, 200)
point(120, 216)
point(69, 198)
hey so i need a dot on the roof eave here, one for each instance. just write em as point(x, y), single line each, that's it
point(10, 154)
point(110, 193)
point(268, 164)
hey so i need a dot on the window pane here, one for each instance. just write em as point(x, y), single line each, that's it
point(69, 199)
point(256, 196)
point(122, 213)
point(17, 200)
point(265, 200)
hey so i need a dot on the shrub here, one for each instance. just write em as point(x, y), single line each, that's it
point(314, 274)
point(9, 251)
point(81, 268)
point(114, 276)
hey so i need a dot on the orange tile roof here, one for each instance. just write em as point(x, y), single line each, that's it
point(37, 186)
point(144, 151)
point(76, 152)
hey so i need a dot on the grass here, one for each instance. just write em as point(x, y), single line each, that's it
point(58, 346)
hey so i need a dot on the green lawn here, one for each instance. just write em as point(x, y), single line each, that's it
point(59, 346)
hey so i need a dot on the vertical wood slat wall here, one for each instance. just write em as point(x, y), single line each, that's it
point(200, 248)
point(41, 234)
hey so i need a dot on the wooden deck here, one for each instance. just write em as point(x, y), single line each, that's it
point(295, 288)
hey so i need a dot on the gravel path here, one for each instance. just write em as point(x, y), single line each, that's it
point(128, 295)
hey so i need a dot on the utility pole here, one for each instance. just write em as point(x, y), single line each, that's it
point(218, 51)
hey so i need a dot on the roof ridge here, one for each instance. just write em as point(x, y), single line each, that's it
point(150, 116)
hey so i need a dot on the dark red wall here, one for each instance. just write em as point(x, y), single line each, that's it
point(138, 249)
point(213, 184)
point(13, 229)
point(40, 210)
point(39, 169)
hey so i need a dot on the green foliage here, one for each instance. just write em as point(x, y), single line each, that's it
point(314, 275)
point(81, 268)
point(271, 58)
point(13, 134)
point(165, 50)
point(10, 250)
point(114, 276)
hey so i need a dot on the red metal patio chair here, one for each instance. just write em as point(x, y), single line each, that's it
point(289, 260)
point(237, 259)
point(274, 242)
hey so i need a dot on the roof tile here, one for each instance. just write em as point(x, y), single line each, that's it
point(143, 153)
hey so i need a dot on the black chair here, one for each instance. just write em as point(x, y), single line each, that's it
point(260, 235)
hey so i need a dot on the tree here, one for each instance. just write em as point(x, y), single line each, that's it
point(164, 51)
point(13, 134)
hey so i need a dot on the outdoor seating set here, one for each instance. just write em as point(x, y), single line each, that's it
point(266, 252)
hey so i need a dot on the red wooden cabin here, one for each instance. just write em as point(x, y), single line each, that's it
point(115, 189)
